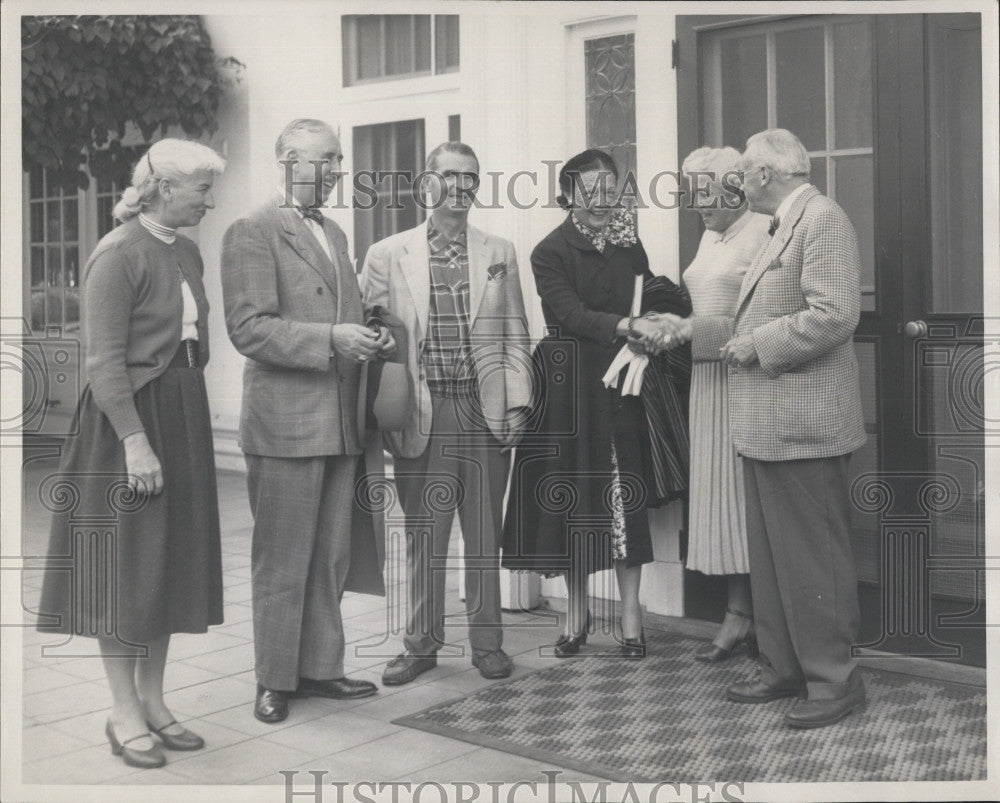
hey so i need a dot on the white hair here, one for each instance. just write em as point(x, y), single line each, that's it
point(716, 162)
point(778, 149)
point(291, 133)
point(175, 159)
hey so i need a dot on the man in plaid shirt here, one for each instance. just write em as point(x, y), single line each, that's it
point(795, 415)
point(458, 293)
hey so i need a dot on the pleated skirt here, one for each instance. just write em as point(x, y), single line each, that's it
point(131, 566)
point(717, 539)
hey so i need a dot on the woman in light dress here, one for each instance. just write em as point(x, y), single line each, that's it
point(733, 234)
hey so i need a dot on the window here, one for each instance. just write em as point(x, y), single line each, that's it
point(54, 253)
point(815, 78)
point(383, 47)
point(392, 155)
point(610, 77)
point(108, 193)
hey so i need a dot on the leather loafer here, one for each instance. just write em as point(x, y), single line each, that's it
point(756, 690)
point(271, 705)
point(406, 667)
point(493, 665)
point(336, 689)
point(820, 713)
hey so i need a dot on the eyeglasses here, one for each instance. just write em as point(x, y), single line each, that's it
point(741, 174)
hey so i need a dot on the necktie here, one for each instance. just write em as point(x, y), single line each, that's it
point(773, 227)
point(312, 213)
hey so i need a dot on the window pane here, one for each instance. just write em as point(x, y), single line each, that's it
point(385, 147)
point(71, 223)
point(744, 90)
point(36, 182)
point(856, 195)
point(801, 85)
point(407, 158)
point(71, 257)
point(105, 222)
point(369, 46)
point(610, 85)
point(852, 85)
point(422, 42)
point(398, 44)
point(53, 227)
point(446, 42)
point(817, 173)
point(37, 222)
point(37, 266)
point(71, 291)
point(954, 74)
point(53, 268)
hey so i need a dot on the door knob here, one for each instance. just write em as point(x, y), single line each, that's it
point(915, 329)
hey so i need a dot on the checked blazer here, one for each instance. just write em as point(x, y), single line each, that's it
point(801, 300)
point(396, 276)
point(282, 295)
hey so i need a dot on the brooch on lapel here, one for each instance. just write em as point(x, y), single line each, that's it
point(497, 271)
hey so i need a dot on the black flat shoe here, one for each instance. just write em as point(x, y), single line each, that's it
point(143, 759)
point(570, 645)
point(177, 741)
point(271, 705)
point(633, 647)
point(712, 653)
point(336, 689)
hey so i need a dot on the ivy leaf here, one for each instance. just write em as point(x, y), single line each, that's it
point(78, 99)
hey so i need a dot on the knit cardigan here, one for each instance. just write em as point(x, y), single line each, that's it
point(132, 311)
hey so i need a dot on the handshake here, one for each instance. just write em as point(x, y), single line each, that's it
point(656, 332)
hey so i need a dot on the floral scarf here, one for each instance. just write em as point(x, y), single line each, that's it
point(620, 230)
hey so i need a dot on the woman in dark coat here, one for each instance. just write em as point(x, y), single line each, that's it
point(134, 553)
point(582, 477)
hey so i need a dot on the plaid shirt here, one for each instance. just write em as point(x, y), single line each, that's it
point(447, 355)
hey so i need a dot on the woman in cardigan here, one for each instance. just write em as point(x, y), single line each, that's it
point(578, 496)
point(143, 456)
point(717, 542)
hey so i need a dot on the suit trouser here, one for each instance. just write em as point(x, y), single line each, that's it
point(802, 574)
point(462, 469)
point(302, 509)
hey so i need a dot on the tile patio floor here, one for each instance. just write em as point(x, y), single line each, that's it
point(210, 683)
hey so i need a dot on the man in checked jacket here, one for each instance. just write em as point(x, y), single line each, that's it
point(795, 413)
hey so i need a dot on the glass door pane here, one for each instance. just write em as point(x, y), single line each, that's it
point(800, 75)
point(954, 84)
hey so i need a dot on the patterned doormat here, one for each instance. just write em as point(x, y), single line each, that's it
point(666, 718)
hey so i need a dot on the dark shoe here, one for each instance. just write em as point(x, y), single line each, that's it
point(336, 689)
point(633, 647)
point(186, 740)
point(820, 713)
point(713, 653)
point(271, 705)
point(570, 645)
point(756, 690)
point(143, 759)
point(406, 667)
point(493, 665)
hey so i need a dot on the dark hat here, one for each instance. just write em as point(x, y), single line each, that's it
point(389, 398)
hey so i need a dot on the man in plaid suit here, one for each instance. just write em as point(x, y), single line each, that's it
point(458, 293)
point(293, 308)
point(795, 413)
